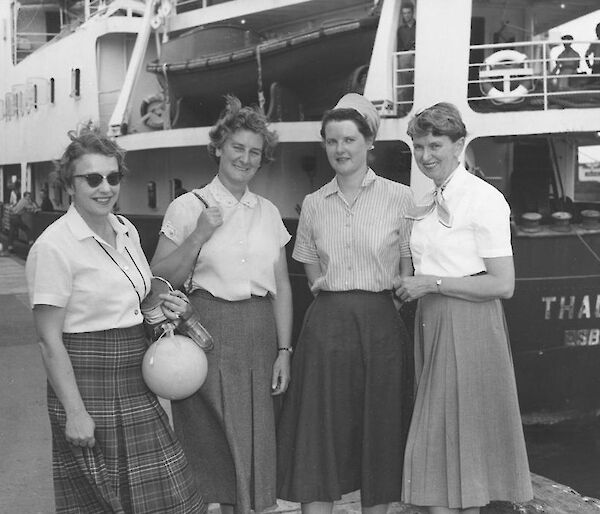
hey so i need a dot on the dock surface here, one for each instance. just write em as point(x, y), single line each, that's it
point(25, 443)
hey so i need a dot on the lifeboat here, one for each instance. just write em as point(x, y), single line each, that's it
point(309, 68)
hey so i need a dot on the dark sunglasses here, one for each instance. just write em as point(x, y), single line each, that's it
point(95, 179)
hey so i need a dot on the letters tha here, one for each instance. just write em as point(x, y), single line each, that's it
point(569, 307)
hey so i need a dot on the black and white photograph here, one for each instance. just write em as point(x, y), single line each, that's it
point(299, 256)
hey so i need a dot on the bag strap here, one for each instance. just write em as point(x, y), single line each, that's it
point(188, 288)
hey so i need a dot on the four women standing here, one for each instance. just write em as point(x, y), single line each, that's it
point(342, 426)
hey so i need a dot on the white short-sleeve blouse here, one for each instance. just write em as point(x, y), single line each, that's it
point(239, 259)
point(99, 286)
point(480, 229)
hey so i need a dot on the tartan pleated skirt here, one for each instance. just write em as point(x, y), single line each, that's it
point(344, 420)
point(466, 446)
point(227, 428)
point(136, 465)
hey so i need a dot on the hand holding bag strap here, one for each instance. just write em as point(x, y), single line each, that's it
point(188, 288)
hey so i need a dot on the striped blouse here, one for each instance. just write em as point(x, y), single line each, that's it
point(357, 246)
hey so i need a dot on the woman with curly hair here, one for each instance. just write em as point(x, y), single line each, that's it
point(113, 449)
point(226, 245)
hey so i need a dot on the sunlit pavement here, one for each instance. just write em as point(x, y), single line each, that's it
point(25, 444)
point(25, 469)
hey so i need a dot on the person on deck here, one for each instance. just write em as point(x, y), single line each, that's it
point(113, 449)
point(405, 37)
point(465, 447)
point(567, 63)
point(226, 244)
point(592, 56)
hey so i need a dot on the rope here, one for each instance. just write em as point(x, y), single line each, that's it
point(591, 250)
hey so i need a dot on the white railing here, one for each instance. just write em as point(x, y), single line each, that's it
point(529, 76)
point(518, 76)
point(187, 5)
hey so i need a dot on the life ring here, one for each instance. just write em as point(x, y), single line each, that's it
point(507, 67)
point(152, 111)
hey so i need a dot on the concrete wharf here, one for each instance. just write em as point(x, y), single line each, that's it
point(25, 443)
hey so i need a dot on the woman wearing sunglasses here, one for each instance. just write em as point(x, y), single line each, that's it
point(227, 244)
point(112, 447)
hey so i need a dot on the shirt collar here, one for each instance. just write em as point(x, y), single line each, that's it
point(81, 229)
point(332, 187)
point(223, 196)
point(455, 180)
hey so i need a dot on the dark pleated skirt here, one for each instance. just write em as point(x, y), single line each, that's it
point(137, 465)
point(466, 446)
point(344, 422)
point(227, 428)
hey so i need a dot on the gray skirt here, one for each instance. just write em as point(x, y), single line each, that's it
point(227, 428)
point(465, 445)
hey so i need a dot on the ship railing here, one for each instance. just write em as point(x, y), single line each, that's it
point(525, 76)
point(403, 81)
point(188, 5)
point(26, 42)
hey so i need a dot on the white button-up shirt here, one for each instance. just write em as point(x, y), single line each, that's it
point(480, 229)
point(70, 266)
point(357, 246)
point(238, 260)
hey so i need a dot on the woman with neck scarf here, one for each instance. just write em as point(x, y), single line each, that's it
point(341, 428)
point(465, 446)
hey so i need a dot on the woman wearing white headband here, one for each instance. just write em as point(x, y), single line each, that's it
point(341, 428)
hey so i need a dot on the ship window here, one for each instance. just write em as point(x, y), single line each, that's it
point(10, 105)
point(75, 82)
point(587, 178)
point(34, 23)
point(52, 90)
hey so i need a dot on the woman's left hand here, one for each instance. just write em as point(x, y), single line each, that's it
point(413, 288)
point(281, 374)
point(175, 305)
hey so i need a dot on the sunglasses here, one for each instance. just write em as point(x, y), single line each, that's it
point(95, 179)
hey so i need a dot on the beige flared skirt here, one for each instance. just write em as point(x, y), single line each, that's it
point(465, 445)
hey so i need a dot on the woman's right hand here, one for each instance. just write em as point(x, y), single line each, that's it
point(79, 429)
point(209, 220)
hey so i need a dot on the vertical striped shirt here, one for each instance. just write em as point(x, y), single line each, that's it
point(357, 246)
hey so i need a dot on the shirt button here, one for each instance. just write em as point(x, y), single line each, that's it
point(136, 312)
point(125, 268)
point(243, 260)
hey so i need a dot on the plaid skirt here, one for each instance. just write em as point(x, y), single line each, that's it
point(137, 465)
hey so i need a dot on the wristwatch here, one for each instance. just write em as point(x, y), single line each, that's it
point(286, 349)
point(438, 285)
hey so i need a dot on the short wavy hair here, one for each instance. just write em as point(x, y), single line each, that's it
point(347, 114)
point(85, 143)
point(234, 118)
point(441, 119)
